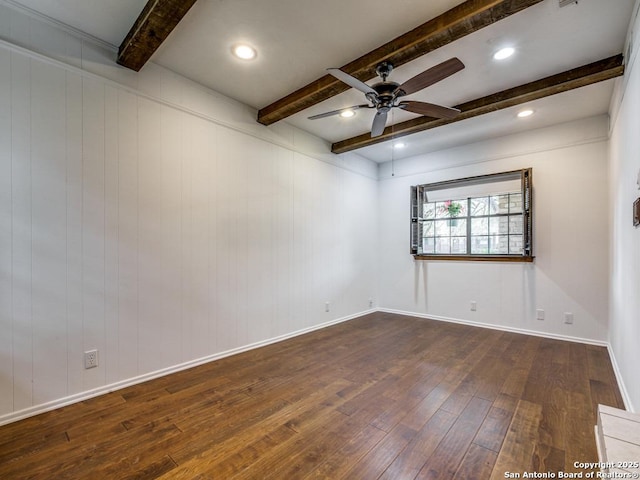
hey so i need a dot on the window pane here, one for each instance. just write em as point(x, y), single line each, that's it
point(428, 245)
point(428, 229)
point(515, 244)
point(458, 227)
point(480, 245)
point(459, 245)
point(443, 245)
point(441, 210)
point(429, 210)
point(442, 228)
point(498, 225)
point(515, 224)
point(479, 226)
point(479, 206)
point(499, 204)
point(515, 202)
point(499, 244)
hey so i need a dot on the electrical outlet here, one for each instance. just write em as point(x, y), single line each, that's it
point(327, 307)
point(540, 314)
point(568, 318)
point(371, 303)
point(474, 306)
point(91, 359)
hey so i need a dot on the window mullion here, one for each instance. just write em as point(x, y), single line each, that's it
point(469, 226)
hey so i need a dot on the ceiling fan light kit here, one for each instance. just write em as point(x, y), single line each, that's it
point(385, 95)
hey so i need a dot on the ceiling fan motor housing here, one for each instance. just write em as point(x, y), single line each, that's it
point(386, 95)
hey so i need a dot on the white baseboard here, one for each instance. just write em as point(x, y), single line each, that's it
point(79, 397)
point(623, 389)
point(491, 326)
point(621, 386)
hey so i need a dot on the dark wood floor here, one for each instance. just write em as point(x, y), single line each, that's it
point(383, 396)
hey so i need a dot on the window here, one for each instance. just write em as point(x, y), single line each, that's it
point(478, 218)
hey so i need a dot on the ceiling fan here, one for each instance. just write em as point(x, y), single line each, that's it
point(383, 96)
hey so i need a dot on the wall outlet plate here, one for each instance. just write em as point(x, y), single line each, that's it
point(91, 359)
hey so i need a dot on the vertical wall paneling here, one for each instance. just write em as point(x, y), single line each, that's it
point(48, 208)
point(283, 240)
point(171, 204)
point(199, 211)
point(74, 190)
point(243, 161)
point(225, 255)
point(127, 235)
point(186, 240)
point(339, 227)
point(149, 237)
point(93, 224)
point(6, 314)
point(109, 358)
point(211, 135)
point(259, 241)
point(357, 219)
point(301, 239)
point(21, 230)
point(320, 236)
point(154, 235)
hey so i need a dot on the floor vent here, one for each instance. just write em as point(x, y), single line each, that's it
point(564, 3)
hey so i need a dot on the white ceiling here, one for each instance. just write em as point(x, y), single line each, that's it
point(298, 39)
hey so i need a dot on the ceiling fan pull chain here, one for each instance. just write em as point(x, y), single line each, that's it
point(393, 172)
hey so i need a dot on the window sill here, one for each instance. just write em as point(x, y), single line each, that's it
point(477, 258)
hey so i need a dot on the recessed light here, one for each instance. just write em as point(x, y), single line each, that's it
point(399, 145)
point(243, 51)
point(525, 113)
point(504, 53)
point(347, 114)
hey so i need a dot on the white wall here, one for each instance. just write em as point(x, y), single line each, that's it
point(570, 272)
point(156, 221)
point(625, 244)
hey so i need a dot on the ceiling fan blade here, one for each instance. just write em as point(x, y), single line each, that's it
point(338, 112)
point(429, 109)
point(430, 76)
point(379, 122)
point(351, 81)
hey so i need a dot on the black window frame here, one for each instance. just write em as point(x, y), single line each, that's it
point(418, 193)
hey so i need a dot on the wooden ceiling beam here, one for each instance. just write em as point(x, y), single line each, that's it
point(578, 77)
point(456, 23)
point(154, 24)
